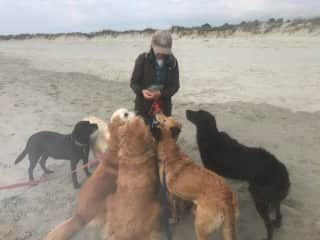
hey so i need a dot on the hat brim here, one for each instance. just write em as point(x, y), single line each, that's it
point(161, 50)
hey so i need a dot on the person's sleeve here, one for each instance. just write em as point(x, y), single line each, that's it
point(137, 75)
point(173, 85)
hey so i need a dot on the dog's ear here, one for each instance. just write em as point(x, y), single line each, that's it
point(83, 123)
point(80, 133)
point(175, 131)
point(156, 133)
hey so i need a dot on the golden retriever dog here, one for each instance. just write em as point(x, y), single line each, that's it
point(93, 194)
point(99, 140)
point(215, 205)
point(134, 209)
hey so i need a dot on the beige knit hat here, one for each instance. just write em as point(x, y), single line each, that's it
point(161, 42)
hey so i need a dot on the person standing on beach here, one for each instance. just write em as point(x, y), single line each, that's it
point(155, 78)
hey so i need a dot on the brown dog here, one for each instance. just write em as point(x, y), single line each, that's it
point(93, 194)
point(134, 209)
point(214, 202)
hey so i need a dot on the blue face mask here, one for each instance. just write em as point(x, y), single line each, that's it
point(160, 62)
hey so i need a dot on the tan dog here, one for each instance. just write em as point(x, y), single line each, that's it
point(93, 194)
point(99, 140)
point(215, 204)
point(133, 211)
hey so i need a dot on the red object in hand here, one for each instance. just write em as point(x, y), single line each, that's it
point(156, 107)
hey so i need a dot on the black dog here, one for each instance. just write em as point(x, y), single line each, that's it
point(268, 178)
point(74, 147)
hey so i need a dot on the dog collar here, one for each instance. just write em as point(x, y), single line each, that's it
point(77, 143)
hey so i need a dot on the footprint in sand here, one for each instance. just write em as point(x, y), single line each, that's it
point(293, 204)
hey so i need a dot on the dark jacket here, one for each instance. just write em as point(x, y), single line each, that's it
point(143, 76)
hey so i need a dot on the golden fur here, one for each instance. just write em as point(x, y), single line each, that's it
point(99, 140)
point(93, 194)
point(215, 204)
point(133, 210)
point(100, 137)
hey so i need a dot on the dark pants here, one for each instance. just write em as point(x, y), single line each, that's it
point(143, 108)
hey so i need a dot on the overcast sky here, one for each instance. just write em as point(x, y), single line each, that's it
point(30, 16)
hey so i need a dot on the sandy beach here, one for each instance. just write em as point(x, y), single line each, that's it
point(264, 91)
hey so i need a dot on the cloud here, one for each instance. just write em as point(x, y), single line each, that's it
point(271, 8)
point(91, 15)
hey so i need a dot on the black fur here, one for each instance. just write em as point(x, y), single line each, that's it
point(156, 133)
point(175, 131)
point(268, 178)
point(73, 147)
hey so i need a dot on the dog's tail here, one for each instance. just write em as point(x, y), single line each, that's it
point(21, 156)
point(229, 224)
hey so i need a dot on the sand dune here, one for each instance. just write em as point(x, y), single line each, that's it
point(289, 27)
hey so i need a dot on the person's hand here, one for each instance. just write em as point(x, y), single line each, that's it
point(156, 94)
point(147, 94)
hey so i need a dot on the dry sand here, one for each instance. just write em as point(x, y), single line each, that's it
point(263, 91)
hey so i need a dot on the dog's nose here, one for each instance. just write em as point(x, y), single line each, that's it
point(126, 114)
